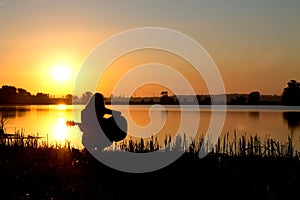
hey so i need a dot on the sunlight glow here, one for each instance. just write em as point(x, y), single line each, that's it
point(60, 130)
point(61, 107)
point(61, 73)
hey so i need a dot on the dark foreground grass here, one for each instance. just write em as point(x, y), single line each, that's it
point(242, 169)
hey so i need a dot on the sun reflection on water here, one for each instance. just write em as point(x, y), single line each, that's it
point(61, 107)
point(60, 130)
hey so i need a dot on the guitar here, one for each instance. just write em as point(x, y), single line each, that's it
point(114, 131)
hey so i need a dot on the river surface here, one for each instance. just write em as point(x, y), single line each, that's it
point(48, 121)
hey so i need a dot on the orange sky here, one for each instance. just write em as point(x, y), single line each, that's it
point(255, 44)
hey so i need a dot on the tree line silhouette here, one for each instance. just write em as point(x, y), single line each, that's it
point(291, 94)
point(11, 95)
point(20, 96)
point(289, 97)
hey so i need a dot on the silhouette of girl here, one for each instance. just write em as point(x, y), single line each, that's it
point(113, 128)
point(101, 110)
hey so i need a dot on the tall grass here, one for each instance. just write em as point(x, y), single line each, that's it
point(61, 172)
point(237, 146)
point(252, 145)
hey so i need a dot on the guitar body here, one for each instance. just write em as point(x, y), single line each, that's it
point(115, 128)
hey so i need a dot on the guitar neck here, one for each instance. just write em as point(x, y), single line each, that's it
point(71, 123)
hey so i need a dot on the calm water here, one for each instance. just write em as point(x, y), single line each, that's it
point(48, 121)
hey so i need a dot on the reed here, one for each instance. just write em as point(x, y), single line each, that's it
point(238, 168)
point(242, 146)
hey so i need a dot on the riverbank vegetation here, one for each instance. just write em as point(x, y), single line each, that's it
point(10, 95)
point(240, 168)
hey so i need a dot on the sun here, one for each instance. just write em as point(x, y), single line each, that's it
point(61, 73)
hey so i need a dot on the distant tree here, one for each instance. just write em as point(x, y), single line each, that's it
point(253, 97)
point(69, 96)
point(23, 92)
point(207, 100)
point(198, 99)
point(8, 94)
point(42, 98)
point(164, 93)
point(291, 94)
point(24, 97)
point(9, 90)
point(166, 99)
point(241, 99)
point(86, 96)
